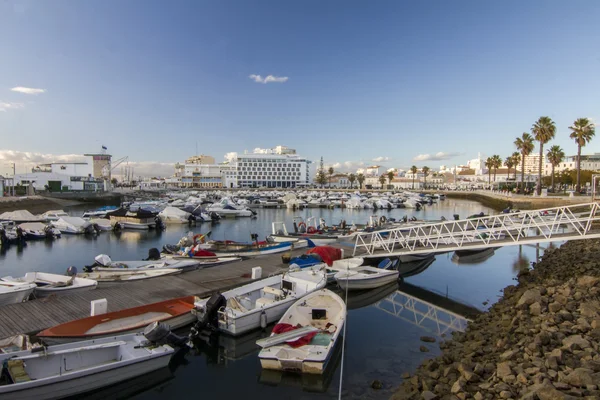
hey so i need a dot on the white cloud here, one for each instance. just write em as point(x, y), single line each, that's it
point(10, 106)
point(268, 78)
point(26, 90)
point(231, 156)
point(380, 159)
point(439, 156)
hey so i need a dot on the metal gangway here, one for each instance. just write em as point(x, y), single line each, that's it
point(422, 313)
point(571, 222)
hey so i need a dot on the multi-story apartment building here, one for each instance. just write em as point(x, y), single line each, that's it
point(279, 167)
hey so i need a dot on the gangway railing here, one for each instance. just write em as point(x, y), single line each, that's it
point(422, 313)
point(524, 227)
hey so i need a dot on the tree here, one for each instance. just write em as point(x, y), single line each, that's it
point(525, 146)
point(413, 170)
point(321, 178)
point(543, 131)
point(582, 131)
point(382, 180)
point(489, 164)
point(496, 163)
point(556, 155)
point(425, 173)
point(360, 178)
point(390, 176)
point(509, 162)
point(516, 156)
point(351, 179)
point(330, 172)
point(114, 181)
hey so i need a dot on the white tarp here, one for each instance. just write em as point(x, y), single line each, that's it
point(19, 216)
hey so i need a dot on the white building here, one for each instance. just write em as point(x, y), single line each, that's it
point(589, 162)
point(279, 167)
point(532, 164)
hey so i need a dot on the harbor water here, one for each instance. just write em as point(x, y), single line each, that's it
point(384, 326)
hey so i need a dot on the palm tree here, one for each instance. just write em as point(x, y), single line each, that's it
point(489, 164)
point(509, 162)
point(516, 156)
point(330, 171)
point(390, 176)
point(556, 155)
point(582, 131)
point(360, 178)
point(496, 163)
point(351, 179)
point(543, 131)
point(525, 146)
point(382, 180)
point(425, 174)
point(413, 170)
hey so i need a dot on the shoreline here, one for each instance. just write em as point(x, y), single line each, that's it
point(541, 340)
point(499, 202)
point(34, 204)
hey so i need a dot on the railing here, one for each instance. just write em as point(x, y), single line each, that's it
point(558, 223)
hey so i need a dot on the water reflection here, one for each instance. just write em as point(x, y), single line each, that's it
point(521, 263)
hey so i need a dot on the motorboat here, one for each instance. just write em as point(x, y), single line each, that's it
point(37, 231)
point(304, 338)
point(259, 303)
point(53, 215)
point(99, 212)
point(19, 216)
point(365, 277)
point(244, 249)
point(126, 275)
point(337, 266)
point(101, 224)
point(226, 207)
point(104, 263)
point(174, 312)
point(47, 284)
point(73, 225)
point(126, 219)
point(174, 215)
point(15, 292)
point(75, 368)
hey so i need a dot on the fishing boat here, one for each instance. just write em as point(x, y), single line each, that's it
point(175, 312)
point(365, 277)
point(47, 284)
point(126, 275)
point(304, 339)
point(73, 225)
point(259, 303)
point(71, 369)
point(15, 292)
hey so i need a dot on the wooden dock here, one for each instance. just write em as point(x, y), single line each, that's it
point(35, 315)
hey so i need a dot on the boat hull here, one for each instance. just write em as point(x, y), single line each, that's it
point(44, 292)
point(15, 297)
point(236, 326)
point(367, 283)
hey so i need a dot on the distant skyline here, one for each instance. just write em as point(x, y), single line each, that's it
point(387, 82)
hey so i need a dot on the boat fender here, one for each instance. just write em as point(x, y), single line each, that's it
point(263, 319)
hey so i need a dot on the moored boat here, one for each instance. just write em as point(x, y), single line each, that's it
point(304, 339)
point(15, 292)
point(241, 249)
point(73, 225)
point(362, 278)
point(175, 312)
point(126, 275)
point(47, 284)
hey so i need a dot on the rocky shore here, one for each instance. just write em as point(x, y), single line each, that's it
point(540, 341)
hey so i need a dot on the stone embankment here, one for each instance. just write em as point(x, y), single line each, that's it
point(540, 341)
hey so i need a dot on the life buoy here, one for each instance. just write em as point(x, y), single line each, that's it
point(301, 224)
point(311, 229)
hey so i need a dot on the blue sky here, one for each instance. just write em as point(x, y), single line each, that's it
point(366, 79)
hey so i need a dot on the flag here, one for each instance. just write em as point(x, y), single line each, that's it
point(104, 148)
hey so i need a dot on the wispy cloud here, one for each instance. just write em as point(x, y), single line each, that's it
point(10, 106)
point(380, 159)
point(439, 156)
point(28, 90)
point(268, 78)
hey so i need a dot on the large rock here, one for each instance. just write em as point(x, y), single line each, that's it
point(590, 309)
point(575, 342)
point(529, 297)
point(503, 369)
point(580, 377)
point(588, 281)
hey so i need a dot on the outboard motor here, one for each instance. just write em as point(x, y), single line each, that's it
point(3, 238)
point(456, 217)
point(160, 226)
point(295, 227)
point(153, 254)
point(214, 217)
point(71, 271)
point(209, 314)
point(160, 333)
point(48, 232)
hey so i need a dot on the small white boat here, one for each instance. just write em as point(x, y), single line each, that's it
point(47, 284)
point(321, 316)
point(38, 230)
point(15, 292)
point(126, 275)
point(75, 368)
point(72, 225)
point(102, 224)
point(337, 266)
point(174, 215)
point(19, 216)
point(362, 278)
point(228, 208)
point(53, 215)
point(104, 263)
point(261, 302)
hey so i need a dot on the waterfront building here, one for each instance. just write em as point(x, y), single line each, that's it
point(589, 162)
point(279, 167)
point(532, 164)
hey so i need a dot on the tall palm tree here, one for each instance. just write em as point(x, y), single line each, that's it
point(351, 179)
point(489, 164)
point(360, 178)
point(496, 163)
point(525, 146)
point(543, 131)
point(516, 156)
point(509, 162)
point(382, 180)
point(583, 130)
point(390, 176)
point(330, 171)
point(425, 170)
point(414, 170)
point(556, 155)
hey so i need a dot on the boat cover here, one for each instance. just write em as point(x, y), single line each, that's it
point(328, 254)
point(282, 327)
point(19, 216)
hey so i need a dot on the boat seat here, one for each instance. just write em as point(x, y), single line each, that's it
point(16, 370)
point(275, 292)
point(264, 301)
